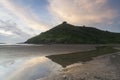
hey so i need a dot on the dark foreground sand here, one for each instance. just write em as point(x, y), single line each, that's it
point(105, 67)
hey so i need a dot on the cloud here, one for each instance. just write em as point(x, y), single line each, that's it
point(10, 39)
point(25, 14)
point(18, 23)
point(10, 28)
point(82, 11)
point(9, 32)
point(2, 31)
point(20, 19)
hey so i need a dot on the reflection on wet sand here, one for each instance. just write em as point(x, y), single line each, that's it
point(24, 62)
point(71, 58)
point(30, 69)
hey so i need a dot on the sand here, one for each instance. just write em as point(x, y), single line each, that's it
point(105, 67)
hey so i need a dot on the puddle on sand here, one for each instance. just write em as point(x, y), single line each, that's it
point(28, 69)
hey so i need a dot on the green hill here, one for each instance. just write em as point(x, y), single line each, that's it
point(69, 34)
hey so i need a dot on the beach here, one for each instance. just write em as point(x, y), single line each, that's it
point(32, 62)
point(29, 62)
point(104, 67)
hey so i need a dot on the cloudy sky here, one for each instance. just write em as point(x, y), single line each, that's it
point(22, 19)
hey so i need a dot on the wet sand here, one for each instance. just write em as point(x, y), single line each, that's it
point(82, 56)
point(40, 50)
point(28, 62)
point(106, 67)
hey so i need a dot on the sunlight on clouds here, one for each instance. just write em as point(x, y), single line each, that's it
point(82, 11)
point(5, 32)
point(25, 19)
point(24, 14)
point(18, 23)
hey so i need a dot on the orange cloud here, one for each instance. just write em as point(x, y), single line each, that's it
point(82, 11)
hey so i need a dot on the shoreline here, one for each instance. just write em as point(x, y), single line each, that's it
point(76, 71)
point(100, 68)
point(82, 56)
point(103, 67)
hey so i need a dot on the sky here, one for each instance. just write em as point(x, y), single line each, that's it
point(23, 19)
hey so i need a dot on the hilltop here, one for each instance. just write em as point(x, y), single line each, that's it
point(69, 34)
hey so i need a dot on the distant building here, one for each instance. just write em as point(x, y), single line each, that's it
point(64, 22)
point(84, 26)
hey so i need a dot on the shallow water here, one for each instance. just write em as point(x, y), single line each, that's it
point(28, 62)
point(28, 69)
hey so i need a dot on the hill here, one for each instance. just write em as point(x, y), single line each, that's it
point(69, 34)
